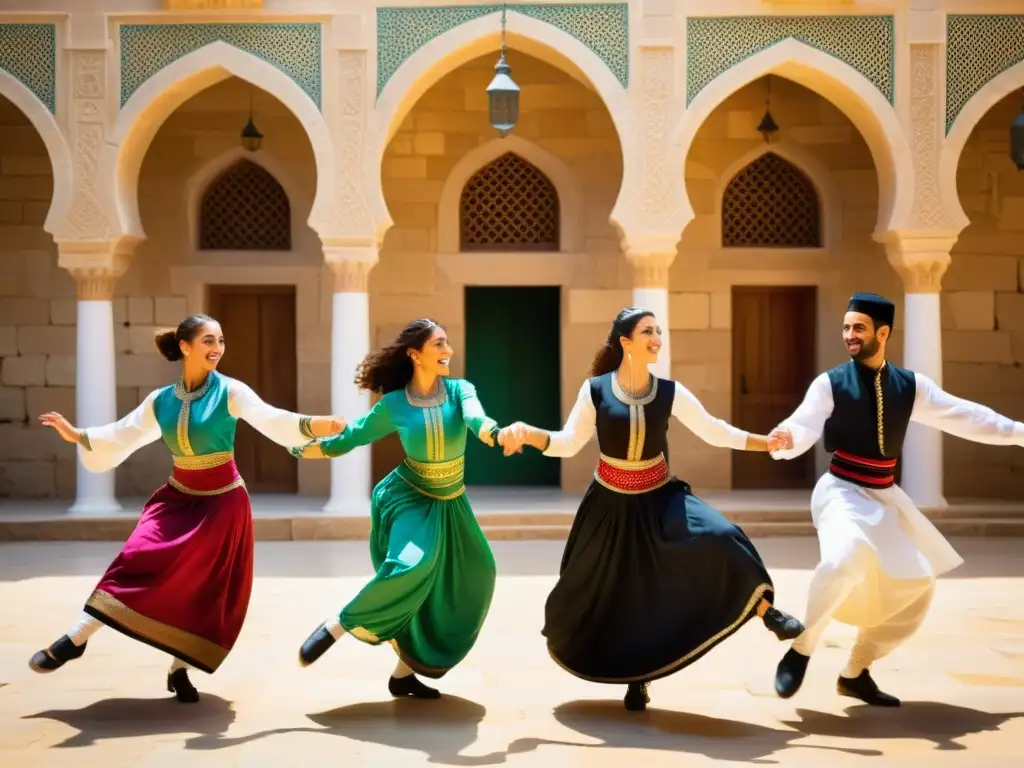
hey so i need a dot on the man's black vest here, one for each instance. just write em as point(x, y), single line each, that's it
point(869, 421)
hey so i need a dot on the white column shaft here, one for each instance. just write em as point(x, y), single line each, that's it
point(95, 399)
point(350, 343)
point(656, 300)
point(922, 467)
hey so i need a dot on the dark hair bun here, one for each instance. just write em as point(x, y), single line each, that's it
point(167, 343)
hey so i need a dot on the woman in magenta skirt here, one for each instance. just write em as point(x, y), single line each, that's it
point(183, 579)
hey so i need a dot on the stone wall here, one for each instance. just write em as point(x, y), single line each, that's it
point(983, 306)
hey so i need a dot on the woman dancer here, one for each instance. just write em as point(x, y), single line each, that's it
point(182, 581)
point(652, 578)
point(435, 571)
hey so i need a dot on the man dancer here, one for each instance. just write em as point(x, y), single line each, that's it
point(880, 555)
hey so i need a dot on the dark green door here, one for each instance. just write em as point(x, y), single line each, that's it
point(513, 356)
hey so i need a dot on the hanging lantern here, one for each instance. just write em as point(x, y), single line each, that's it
point(1017, 141)
point(252, 139)
point(768, 127)
point(503, 93)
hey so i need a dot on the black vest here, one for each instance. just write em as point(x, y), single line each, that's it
point(857, 416)
point(614, 419)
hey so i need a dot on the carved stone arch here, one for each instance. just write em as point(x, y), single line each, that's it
point(561, 177)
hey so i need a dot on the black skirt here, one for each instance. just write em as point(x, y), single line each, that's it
point(649, 583)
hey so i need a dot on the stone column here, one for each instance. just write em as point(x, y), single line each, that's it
point(921, 262)
point(96, 266)
point(350, 343)
point(650, 290)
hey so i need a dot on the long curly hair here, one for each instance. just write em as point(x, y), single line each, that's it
point(390, 368)
point(609, 357)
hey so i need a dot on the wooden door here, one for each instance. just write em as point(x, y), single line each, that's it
point(773, 362)
point(259, 336)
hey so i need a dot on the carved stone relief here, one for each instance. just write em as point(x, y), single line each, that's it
point(928, 211)
point(656, 210)
point(352, 214)
point(86, 217)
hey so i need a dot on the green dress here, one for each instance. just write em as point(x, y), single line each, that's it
point(435, 570)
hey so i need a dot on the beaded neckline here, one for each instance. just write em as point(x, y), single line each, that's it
point(185, 396)
point(628, 397)
point(437, 398)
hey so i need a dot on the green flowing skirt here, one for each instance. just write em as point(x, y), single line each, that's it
point(434, 581)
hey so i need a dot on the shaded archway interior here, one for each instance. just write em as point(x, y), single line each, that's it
point(26, 171)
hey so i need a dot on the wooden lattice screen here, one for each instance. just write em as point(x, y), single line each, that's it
point(509, 205)
point(771, 204)
point(245, 209)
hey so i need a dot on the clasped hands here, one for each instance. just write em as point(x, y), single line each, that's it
point(779, 439)
point(327, 426)
point(511, 438)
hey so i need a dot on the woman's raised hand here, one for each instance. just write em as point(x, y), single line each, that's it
point(64, 427)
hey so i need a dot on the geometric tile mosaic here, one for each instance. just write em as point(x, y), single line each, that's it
point(866, 43)
point(978, 48)
point(29, 53)
point(602, 27)
point(295, 49)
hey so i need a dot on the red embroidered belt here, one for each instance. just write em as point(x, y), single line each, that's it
point(868, 473)
point(208, 481)
point(632, 476)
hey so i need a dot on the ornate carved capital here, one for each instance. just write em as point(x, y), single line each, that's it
point(650, 270)
point(921, 259)
point(96, 266)
point(926, 137)
point(351, 266)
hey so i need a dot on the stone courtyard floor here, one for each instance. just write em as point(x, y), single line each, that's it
point(961, 679)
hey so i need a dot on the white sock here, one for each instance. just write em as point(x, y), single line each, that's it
point(333, 626)
point(84, 629)
point(401, 670)
point(177, 664)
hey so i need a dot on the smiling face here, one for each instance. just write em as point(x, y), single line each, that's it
point(862, 339)
point(645, 342)
point(434, 357)
point(206, 349)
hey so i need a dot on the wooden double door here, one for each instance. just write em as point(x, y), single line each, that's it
point(773, 363)
point(259, 334)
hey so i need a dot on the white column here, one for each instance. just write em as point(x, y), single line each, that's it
point(650, 290)
point(350, 343)
point(921, 261)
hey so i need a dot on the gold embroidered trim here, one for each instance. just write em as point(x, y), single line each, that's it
point(634, 465)
point(439, 396)
point(755, 598)
point(433, 423)
point(631, 493)
point(880, 408)
point(306, 427)
point(630, 399)
point(637, 415)
point(193, 646)
point(446, 497)
point(236, 483)
point(206, 461)
point(438, 471)
point(186, 399)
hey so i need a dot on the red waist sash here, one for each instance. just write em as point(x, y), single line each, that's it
point(625, 476)
point(867, 473)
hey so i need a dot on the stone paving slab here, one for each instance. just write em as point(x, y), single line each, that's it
point(961, 678)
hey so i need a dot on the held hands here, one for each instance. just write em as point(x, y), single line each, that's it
point(512, 438)
point(327, 426)
point(780, 440)
point(63, 427)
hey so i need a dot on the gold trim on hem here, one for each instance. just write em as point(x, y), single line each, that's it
point(236, 483)
point(755, 598)
point(193, 646)
point(206, 461)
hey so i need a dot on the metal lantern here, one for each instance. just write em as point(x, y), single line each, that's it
point(768, 127)
point(1017, 141)
point(503, 93)
point(252, 139)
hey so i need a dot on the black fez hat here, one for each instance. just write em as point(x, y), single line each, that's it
point(878, 308)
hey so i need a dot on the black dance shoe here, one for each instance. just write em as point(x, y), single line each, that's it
point(636, 699)
point(182, 688)
point(789, 675)
point(56, 656)
point(863, 687)
point(782, 624)
point(315, 646)
point(410, 685)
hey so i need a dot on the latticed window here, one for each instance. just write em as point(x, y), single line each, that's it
point(509, 205)
point(245, 209)
point(771, 204)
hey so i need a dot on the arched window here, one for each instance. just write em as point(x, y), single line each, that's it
point(771, 204)
point(509, 205)
point(245, 209)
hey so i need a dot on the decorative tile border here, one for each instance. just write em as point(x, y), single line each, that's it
point(978, 48)
point(715, 45)
point(29, 53)
point(295, 49)
point(602, 27)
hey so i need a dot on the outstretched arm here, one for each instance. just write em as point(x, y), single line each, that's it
point(807, 422)
point(478, 422)
point(363, 431)
point(568, 441)
point(936, 408)
point(283, 427)
point(689, 410)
